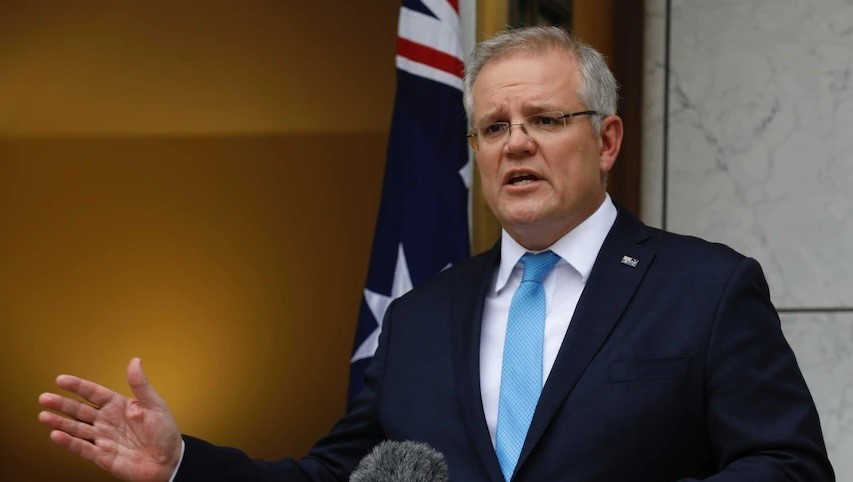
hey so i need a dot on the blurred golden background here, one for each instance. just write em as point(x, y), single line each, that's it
point(195, 183)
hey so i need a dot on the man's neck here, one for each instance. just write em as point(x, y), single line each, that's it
point(539, 236)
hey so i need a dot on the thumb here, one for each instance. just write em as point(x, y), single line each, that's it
point(142, 390)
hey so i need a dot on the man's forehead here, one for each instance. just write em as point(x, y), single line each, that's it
point(527, 107)
point(527, 81)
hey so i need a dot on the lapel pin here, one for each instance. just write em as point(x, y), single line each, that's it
point(632, 262)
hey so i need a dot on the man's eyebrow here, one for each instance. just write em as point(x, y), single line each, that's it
point(532, 109)
point(525, 110)
point(495, 116)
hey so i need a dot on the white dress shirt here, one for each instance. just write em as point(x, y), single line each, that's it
point(563, 287)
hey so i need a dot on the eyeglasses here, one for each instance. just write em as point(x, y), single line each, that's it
point(537, 127)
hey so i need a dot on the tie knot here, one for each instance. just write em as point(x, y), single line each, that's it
point(537, 266)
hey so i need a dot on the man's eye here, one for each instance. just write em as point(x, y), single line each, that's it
point(544, 120)
point(495, 128)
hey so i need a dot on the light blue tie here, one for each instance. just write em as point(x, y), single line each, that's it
point(521, 374)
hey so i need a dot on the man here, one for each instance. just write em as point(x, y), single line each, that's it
point(585, 346)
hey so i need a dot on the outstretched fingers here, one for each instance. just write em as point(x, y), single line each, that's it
point(73, 408)
point(91, 391)
point(101, 452)
point(81, 447)
point(71, 427)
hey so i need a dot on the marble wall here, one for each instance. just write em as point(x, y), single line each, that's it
point(748, 140)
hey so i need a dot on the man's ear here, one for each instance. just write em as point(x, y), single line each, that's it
point(611, 142)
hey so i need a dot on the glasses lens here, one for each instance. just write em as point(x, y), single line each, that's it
point(545, 123)
point(472, 141)
point(537, 127)
point(493, 132)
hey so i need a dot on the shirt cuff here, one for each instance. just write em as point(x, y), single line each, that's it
point(180, 459)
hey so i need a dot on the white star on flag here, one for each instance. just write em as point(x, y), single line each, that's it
point(378, 304)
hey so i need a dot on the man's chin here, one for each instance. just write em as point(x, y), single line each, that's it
point(524, 222)
point(522, 214)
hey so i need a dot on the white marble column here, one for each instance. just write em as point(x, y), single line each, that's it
point(748, 140)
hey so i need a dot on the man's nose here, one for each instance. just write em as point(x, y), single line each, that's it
point(519, 140)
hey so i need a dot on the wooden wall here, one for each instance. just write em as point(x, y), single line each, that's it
point(195, 183)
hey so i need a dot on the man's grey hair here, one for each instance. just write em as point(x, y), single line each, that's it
point(598, 89)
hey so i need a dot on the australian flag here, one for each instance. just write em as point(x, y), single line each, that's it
point(423, 218)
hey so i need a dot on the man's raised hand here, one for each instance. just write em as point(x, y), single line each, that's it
point(134, 440)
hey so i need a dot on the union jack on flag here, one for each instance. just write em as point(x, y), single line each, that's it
point(422, 226)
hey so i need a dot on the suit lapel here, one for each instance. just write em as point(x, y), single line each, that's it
point(468, 295)
point(608, 290)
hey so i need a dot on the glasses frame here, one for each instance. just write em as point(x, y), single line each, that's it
point(474, 141)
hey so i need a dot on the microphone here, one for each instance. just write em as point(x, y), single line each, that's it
point(408, 461)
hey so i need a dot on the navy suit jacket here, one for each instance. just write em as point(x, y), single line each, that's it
point(675, 369)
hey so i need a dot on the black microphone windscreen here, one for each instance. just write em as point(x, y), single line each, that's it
point(408, 461)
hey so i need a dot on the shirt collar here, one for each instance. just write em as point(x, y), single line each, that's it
point(579, 247)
